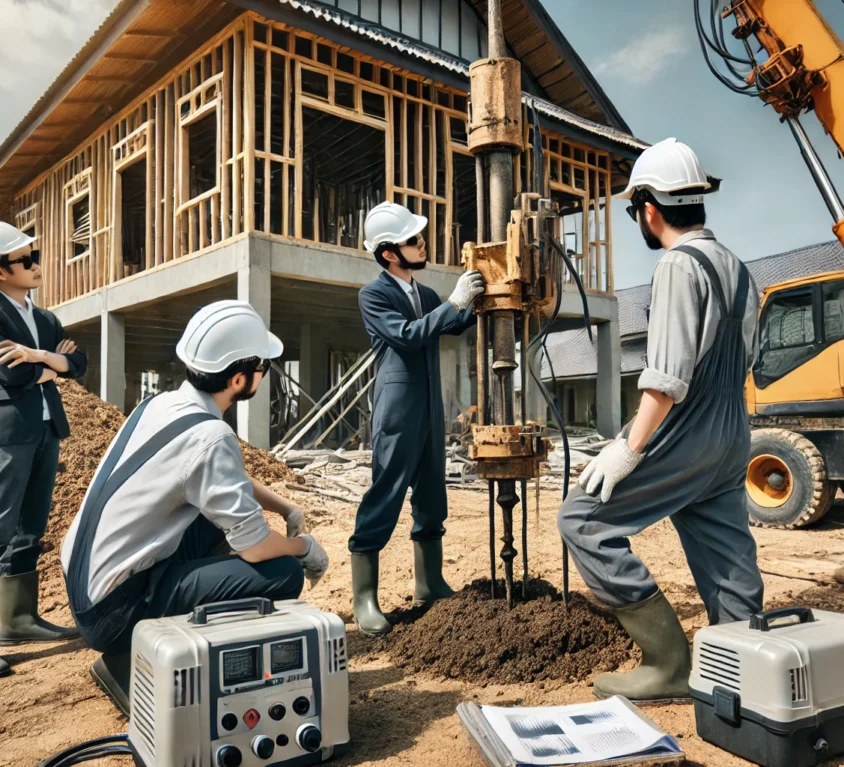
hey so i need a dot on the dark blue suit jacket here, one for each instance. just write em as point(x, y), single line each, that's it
point(21, 406)
point(408, 351)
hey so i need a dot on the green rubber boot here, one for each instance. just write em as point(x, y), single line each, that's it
point(113, 674)
point(428, 571)
point(368, 615)
point(666, 663)
point(19, 619)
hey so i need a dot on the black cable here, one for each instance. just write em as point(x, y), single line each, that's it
point(706, 45)
point(82, 752)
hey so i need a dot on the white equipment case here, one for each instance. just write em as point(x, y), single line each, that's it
point(772, 689)
point(245, 683)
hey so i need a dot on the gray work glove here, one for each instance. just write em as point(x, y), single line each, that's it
point(615, 462)
point(314, 561)
point(295, 522)
point(468, 288)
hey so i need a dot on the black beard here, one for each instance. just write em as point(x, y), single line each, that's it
point(651, 240)
point(405, 264)
point(244, 394)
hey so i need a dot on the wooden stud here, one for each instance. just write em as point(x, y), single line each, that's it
point(169, 171)
point(267, 96)
point(237, 103)
point(150, 199)
point(249, 132)
point(158, 193)
point(299, 155)
point(225, 223)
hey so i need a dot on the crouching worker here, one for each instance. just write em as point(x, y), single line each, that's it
point(171, 499)
point(685, 454)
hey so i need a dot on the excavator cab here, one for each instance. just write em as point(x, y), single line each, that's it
point(795, 398)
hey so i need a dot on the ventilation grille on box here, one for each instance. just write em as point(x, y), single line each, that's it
point(337, 660)
point(720, 665)
point(799, 685)
point(143, 701)
point(185, 687)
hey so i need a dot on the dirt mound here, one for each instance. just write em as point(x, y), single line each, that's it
point(93, 425)
point(821, 598)
point(475, 638)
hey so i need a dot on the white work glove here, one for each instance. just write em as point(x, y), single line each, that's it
point(295, 520)
point(615, 462)
point(468, 288)
point(314, 561)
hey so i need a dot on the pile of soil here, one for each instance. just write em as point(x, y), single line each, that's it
point(93, 425)
point(475, 638)
point(821, 598)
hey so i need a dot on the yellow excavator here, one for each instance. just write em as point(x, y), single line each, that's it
point(788, 55)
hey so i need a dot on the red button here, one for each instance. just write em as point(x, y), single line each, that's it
point(251, 717)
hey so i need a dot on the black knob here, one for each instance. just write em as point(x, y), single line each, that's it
point(309, 738)
point(229, 756)
point(277, 711)
point(282, 740)
point(262, 747)
point(229, 722)
point(301, 706)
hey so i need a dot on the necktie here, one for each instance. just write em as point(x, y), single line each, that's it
point(417, 306)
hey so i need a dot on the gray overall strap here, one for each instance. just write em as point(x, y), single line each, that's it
point(709, 270)
point(107, 485)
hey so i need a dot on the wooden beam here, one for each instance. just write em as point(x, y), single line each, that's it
point(131, 58)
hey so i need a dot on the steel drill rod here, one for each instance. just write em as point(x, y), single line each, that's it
point(497, 44)
point(507, 499)
point(565, 574)
point(524, 541)
point(492, 553)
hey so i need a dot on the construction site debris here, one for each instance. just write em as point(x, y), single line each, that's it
point(93, 425)
point(475, 638)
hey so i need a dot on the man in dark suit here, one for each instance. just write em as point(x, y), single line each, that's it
point(404, 321)
point(34, 351)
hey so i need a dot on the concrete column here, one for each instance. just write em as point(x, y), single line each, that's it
point(314, 375)
point(113, 359)
point(254, 285)
point(608, 387)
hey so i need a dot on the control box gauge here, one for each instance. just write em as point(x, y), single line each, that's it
point(246, 683)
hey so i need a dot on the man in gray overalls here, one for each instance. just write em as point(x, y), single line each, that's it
point(685, 454)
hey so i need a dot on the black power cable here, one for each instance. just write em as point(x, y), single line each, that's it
point(88, 751)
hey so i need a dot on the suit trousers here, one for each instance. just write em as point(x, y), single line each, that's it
point(27, 478)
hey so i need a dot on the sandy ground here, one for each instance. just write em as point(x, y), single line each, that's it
point(399, 718)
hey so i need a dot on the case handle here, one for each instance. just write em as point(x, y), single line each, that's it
point(262, 605)
point(762, 621)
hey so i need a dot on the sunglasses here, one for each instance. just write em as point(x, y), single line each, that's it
point(414, 241)
point(26, 261)
point(264, 366)
point(639, 198)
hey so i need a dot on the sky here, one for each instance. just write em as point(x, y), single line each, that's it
point(645, 55)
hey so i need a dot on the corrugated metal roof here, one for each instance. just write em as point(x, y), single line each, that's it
point(573, 356)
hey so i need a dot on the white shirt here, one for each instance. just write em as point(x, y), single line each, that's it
point(412, 293)
point(199, 472)
point(28, 316)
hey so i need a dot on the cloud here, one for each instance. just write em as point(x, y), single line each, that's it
point(40, 37)
point(644, 58)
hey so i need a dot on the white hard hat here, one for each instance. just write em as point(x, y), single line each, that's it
point(392, 223)
point(12, 239)
point(669, 166)
point(223, 333)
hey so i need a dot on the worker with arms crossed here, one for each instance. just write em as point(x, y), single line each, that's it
point(685, 454)
point(404, 321)
point(34, 351)
point(171, 499)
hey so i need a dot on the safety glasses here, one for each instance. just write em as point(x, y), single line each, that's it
point(417, 239)
point(638, 199)
point(25, 261)
point(264, 366)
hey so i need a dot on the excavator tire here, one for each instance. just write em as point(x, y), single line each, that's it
point(786, 484)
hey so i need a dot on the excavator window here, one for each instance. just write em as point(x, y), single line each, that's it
point(833, 312)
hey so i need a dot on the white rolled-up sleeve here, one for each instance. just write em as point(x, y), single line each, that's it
point(672, 332)
point(217, 484)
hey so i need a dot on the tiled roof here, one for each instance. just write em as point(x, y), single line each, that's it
point(573, 356)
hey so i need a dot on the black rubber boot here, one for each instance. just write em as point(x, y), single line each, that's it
point(666, 663)
point(19, 619)
point(113, 674)
point(368, 615)
point(428, 572)
point(5, 668)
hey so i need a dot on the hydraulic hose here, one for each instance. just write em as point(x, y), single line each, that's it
point(89, 750)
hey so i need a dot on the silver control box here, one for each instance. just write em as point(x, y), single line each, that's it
point(248, 683)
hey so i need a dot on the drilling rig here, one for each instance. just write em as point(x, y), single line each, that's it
point(523, 267)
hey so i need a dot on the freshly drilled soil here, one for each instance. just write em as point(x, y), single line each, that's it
point(93, 425)
point(821, 598)
point(475, 638)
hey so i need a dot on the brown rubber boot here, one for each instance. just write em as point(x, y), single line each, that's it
point(19, 619)
point(428, 572)
point(368, 615)
point(666, 663)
